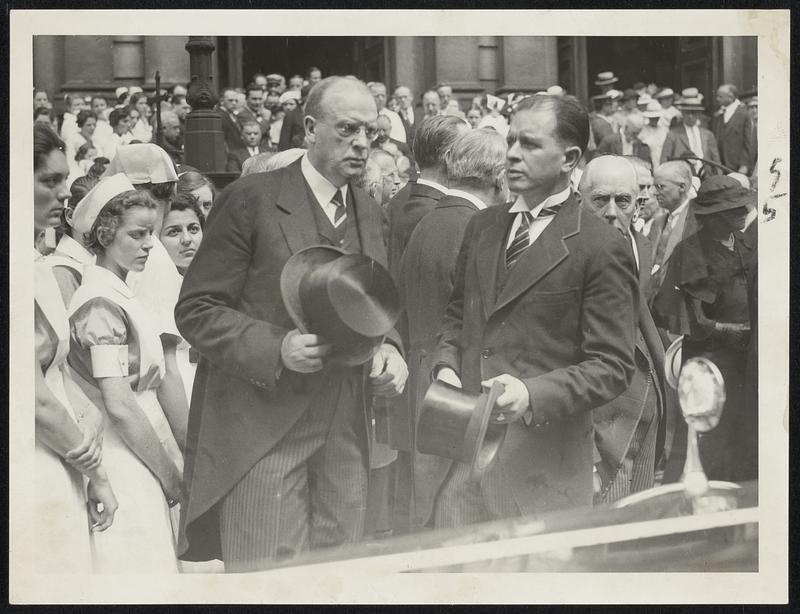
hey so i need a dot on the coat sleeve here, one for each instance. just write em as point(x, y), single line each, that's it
point(207, 311)
point(748, 153)
point(608, 317)
point(449, 339)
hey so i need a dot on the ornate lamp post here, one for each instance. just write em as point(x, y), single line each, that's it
point(204, 142)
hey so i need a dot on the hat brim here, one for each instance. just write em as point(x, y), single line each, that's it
point(652, 114)
point(482, 440)
point(672, 362)
point(720, 207)
point(607, 81)
point(362, 348)
point(690, 107)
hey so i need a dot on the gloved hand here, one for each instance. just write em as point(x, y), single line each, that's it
point(736, 336)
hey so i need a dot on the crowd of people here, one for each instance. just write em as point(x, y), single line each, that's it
point(181, 414)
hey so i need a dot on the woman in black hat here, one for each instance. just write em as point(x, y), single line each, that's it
point(706, 296)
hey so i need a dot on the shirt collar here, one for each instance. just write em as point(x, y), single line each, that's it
point(322, 189)
point(93, 273)
point(521, 206)
point(72, 249)
point(432, 184)
point(674, 215)
point(467, 196)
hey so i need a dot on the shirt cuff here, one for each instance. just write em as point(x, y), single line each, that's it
point(109, 360)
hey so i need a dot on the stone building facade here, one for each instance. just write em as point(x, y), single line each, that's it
point(471, 64)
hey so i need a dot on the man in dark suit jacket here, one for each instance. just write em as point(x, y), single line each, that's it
point(476, 176)
point(689, 138)
point(436, 135)
point(230, 125)
point(253, 145)
point(292, 131)
point(544, 302)
point(627, 428)
point(614, 144)
point(733, 129)
point(277, 446)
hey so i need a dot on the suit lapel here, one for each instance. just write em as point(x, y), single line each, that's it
point(368, 228)
point(543, 256)
point(645, 251)
point(676, 236)
point(298, 224)
point(684, 138)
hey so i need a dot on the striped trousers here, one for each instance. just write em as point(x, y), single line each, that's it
point(308, 492)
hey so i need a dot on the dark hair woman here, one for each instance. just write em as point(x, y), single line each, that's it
point(116, 349)
point(68, 442)
point(199, 186)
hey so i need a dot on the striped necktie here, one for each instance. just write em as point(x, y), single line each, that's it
point(522, 237)
point(341, 211)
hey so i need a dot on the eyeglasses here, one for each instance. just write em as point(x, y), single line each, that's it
point(348, 130)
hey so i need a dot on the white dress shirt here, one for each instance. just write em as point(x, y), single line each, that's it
point(253, 151)
point(467, 196)
point(695, 144)
point(730, 110)
point(322, 189)
point(538, 224)
point(432, 184)
point(398, 132)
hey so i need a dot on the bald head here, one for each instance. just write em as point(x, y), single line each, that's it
point(608, 188)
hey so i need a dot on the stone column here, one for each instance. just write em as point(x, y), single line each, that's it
point(48, 64)
point(128, 60)
point(204, 142)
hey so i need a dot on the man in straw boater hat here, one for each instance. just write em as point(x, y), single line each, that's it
point(605, 81)
point(690, 138)
point(670, 114)
point(544, 302)
point(277, 452)
point(707, 296)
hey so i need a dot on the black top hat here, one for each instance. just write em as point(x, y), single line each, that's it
point(455, 424)
point(348, 299)
point(721, 193)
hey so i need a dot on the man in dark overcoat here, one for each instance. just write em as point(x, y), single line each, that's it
point(277, 451)
point(544, 302)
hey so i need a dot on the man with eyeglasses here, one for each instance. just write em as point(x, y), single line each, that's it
point(277, 455)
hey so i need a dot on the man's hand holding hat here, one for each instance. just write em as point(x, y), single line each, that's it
point(513, 403)
point(303, 353)
point(389, 372)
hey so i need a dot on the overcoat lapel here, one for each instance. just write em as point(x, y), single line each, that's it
point(298, 224)
point(543, 256)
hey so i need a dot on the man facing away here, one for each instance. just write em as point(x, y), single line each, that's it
point(476, 180)
point(544, 302)
point(277, 452)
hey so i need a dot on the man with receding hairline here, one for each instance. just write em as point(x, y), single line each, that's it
point(277, 451)
point(544, 303)
point(627, 428)
point(733, 129)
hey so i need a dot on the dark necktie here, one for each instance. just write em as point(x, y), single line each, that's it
point(522, 236)
point(341, 212)
point(521, 239)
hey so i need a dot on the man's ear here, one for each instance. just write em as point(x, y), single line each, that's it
point(310, 124)
point(572, 155)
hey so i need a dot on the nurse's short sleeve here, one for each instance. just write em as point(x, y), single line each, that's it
point(101, 327)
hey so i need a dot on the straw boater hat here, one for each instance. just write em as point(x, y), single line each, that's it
point(348, 299)
point(644, 99)
point(721, 193)
point(664, 93)
point(555, 90)
point(605, 78)
point(653, 109)
point(694, 103)
point(691, 92)
point(89, 207)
